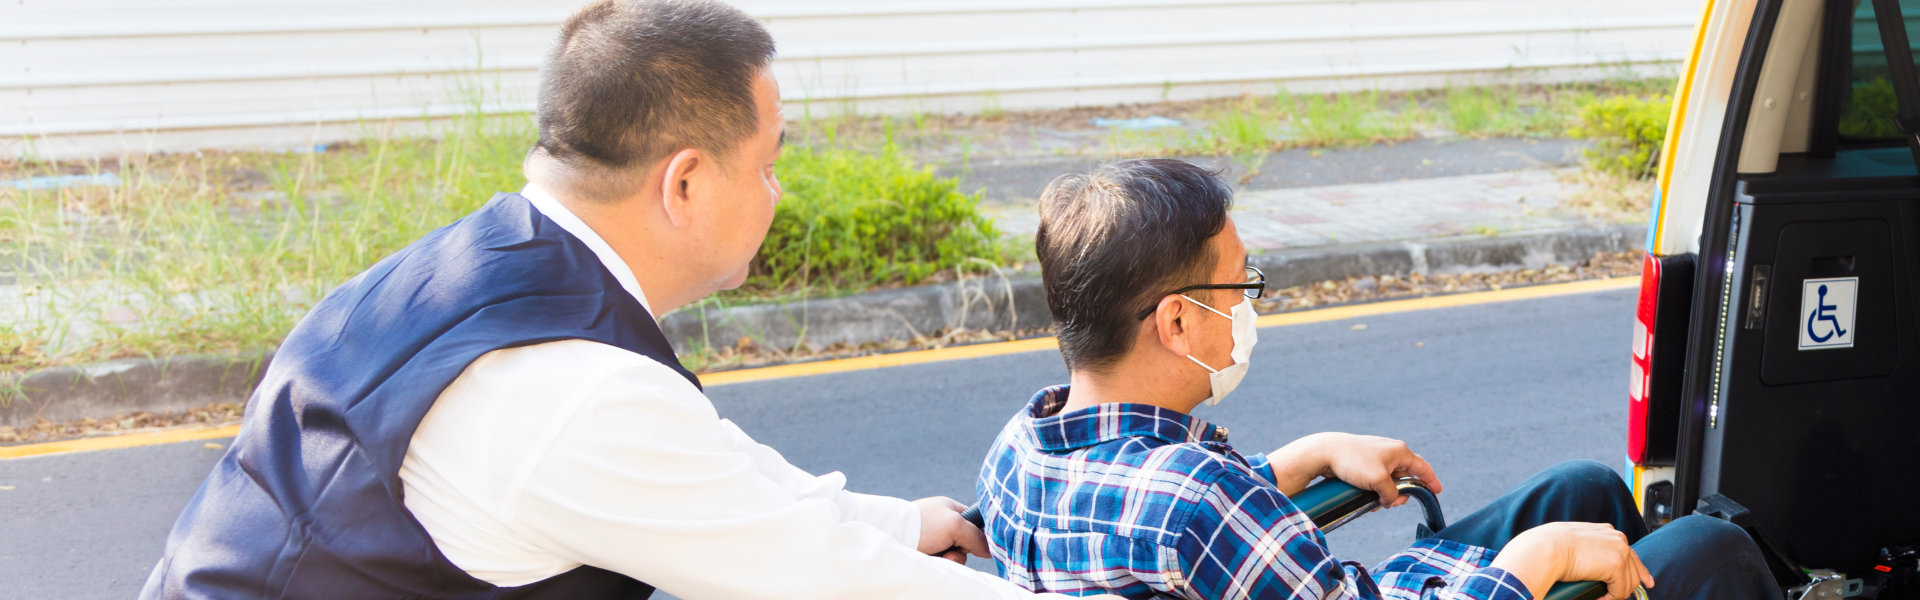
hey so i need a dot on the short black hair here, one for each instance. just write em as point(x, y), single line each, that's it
point(632, 81)
point(1114, 240)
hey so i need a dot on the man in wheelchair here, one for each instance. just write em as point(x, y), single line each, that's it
point(1109, 485)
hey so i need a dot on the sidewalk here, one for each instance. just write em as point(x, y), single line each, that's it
point(1484, 205)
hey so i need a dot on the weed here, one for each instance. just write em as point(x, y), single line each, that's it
point(990, 106)
point(1343, 120)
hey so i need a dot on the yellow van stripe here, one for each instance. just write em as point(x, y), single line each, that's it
point(1674, 123)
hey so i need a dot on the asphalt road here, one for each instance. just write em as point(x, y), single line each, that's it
point(1488, 393)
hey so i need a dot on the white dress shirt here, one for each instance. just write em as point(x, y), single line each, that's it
point(542, 458)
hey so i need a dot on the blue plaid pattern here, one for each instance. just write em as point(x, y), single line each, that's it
point(1147, 502)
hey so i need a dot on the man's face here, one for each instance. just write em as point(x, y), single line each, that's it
point(1212, 335)
point(746, 191)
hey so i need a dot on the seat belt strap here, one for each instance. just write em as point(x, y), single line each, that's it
point(1906, 85)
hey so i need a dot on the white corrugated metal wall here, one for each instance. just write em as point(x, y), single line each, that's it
point(90, 77)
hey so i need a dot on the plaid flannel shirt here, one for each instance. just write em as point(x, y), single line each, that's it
point(1148, 502)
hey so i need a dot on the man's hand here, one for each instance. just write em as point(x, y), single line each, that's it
point(1557, 552)
point(944, 534)
point(1364, 461)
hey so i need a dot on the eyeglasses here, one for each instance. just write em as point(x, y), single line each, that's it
point(1255, 286)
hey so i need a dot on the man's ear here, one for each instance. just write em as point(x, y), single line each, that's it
point(1169, 320)
point(676, 185)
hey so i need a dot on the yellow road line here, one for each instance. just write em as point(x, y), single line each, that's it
point(112, 442)
point(918, 357)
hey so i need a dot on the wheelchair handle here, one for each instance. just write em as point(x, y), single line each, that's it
point(1332, 503)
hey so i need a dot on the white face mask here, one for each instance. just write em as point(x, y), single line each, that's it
point(1244, 337)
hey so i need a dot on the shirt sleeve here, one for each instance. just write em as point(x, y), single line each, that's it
point(897, 518)
point(1263, 466)
point(644, 479)
point(1246, 540)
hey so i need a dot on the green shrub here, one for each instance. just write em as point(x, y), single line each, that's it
point(1869, 111)
point(1627, 131)
point(854, 219)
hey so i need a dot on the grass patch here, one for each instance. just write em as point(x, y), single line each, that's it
point(1347, 120)
point(1250, 126)
point(1508, 112)
point(221, 252)
point(225, 251)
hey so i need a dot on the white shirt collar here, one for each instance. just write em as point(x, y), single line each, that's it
point(553, 209)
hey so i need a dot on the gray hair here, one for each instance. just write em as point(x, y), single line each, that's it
point(1113, 240)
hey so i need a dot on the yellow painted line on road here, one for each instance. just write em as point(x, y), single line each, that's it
point(113, 442)
point(881, 361)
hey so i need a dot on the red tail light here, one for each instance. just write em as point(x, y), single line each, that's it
point(1642, 359)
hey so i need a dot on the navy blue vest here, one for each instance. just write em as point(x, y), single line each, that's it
point(307, 501)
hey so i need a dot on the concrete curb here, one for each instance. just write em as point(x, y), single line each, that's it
point(154, 385)
point(1005, 303)
point(999, 302)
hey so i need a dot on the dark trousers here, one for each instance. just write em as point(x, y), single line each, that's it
point(1692, 557)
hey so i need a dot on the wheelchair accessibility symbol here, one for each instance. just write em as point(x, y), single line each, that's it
point(1826, 312)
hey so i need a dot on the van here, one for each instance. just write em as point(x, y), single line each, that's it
point(1775, 372)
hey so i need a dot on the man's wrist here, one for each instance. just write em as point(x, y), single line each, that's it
point(1298, 463)
point(1532, 560)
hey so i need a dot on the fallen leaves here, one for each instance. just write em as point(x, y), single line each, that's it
point(746, 353)
point(44, 430)
point(1383, 287)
